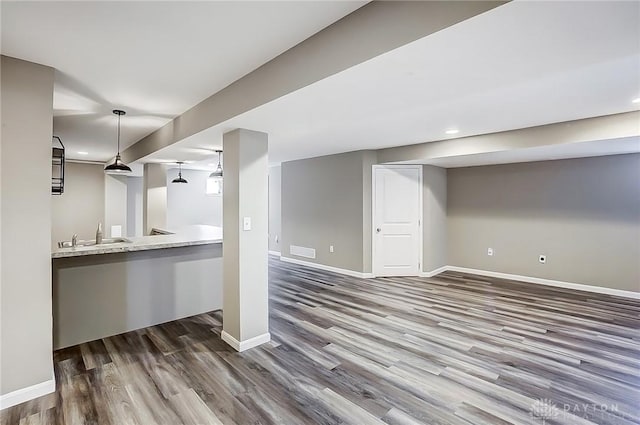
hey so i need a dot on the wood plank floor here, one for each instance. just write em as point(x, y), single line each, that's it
point(453, 349)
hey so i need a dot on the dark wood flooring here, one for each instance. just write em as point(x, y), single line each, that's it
point(453, 349)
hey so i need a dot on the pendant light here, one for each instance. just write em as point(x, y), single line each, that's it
point(179, 179)
point(218, 172)
point(118, 167)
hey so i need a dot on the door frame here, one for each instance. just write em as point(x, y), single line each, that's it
point(373, 213)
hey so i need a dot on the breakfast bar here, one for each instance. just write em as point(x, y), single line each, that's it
point(107, 289)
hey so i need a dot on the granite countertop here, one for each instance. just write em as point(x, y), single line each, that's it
point(184, 236)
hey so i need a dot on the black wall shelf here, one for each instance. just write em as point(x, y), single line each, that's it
point(57, 167)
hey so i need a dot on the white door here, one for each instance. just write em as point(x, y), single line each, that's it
point(397, 212)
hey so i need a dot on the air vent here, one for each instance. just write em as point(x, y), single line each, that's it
point(302, 251)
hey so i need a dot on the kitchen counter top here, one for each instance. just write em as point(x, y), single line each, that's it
point(184, 236)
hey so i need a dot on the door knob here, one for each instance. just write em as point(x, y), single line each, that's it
point(378, 230)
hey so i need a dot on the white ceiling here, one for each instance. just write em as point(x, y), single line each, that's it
point(153, 59)
point(523, 64)
point(519, 65)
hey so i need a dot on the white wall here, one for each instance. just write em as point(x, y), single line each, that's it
point(115, 203)
point(26, 349)
point(134, 206)
point(154, 197)
point(189, 203)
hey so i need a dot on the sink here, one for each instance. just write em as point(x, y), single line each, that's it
point(105, 241)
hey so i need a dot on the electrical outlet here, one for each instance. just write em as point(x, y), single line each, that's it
point(490, 252)
point(277, 240)
point(246, 223)
point(330, 248)
point(542, 258)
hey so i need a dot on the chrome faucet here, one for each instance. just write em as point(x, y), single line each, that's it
point(74, 240)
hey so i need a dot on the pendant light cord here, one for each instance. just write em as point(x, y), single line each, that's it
point(118, 166)
point(119, 133)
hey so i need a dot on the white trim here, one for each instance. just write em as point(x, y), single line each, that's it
point(548, 282)
point(29, 393)
point(327, 268)
point(241, 346)
point(528, 279)
point(373, 213)
point(276, 253)
point(434, 272)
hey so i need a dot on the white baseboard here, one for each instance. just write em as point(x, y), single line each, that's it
point(434, 272)
point(241, 346)
point(547, 282)
point(276, 253)
point(328, 268)
point(521, 278)
point(25, 394)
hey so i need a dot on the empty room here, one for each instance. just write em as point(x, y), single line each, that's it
point(320, 212)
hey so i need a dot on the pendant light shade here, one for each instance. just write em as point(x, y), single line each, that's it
point(218, 172)
point(179, 179)
point(118, 167)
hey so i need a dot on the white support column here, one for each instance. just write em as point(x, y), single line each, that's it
point(245, 244)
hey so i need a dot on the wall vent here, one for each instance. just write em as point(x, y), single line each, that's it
point(302, 251)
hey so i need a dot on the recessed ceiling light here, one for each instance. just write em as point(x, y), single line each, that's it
point(636, 100)
point(452, 131)
point(83, 153)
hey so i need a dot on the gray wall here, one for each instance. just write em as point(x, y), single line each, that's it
point(275, 223)
point(101, 295)
point(91, 197)
point(189, 203)
point(323, 204)
point(584, 214)
point(434, 224)
point(26, 355)
point(81, 206)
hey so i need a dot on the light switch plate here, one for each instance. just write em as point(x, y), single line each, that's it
point(246, 223)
